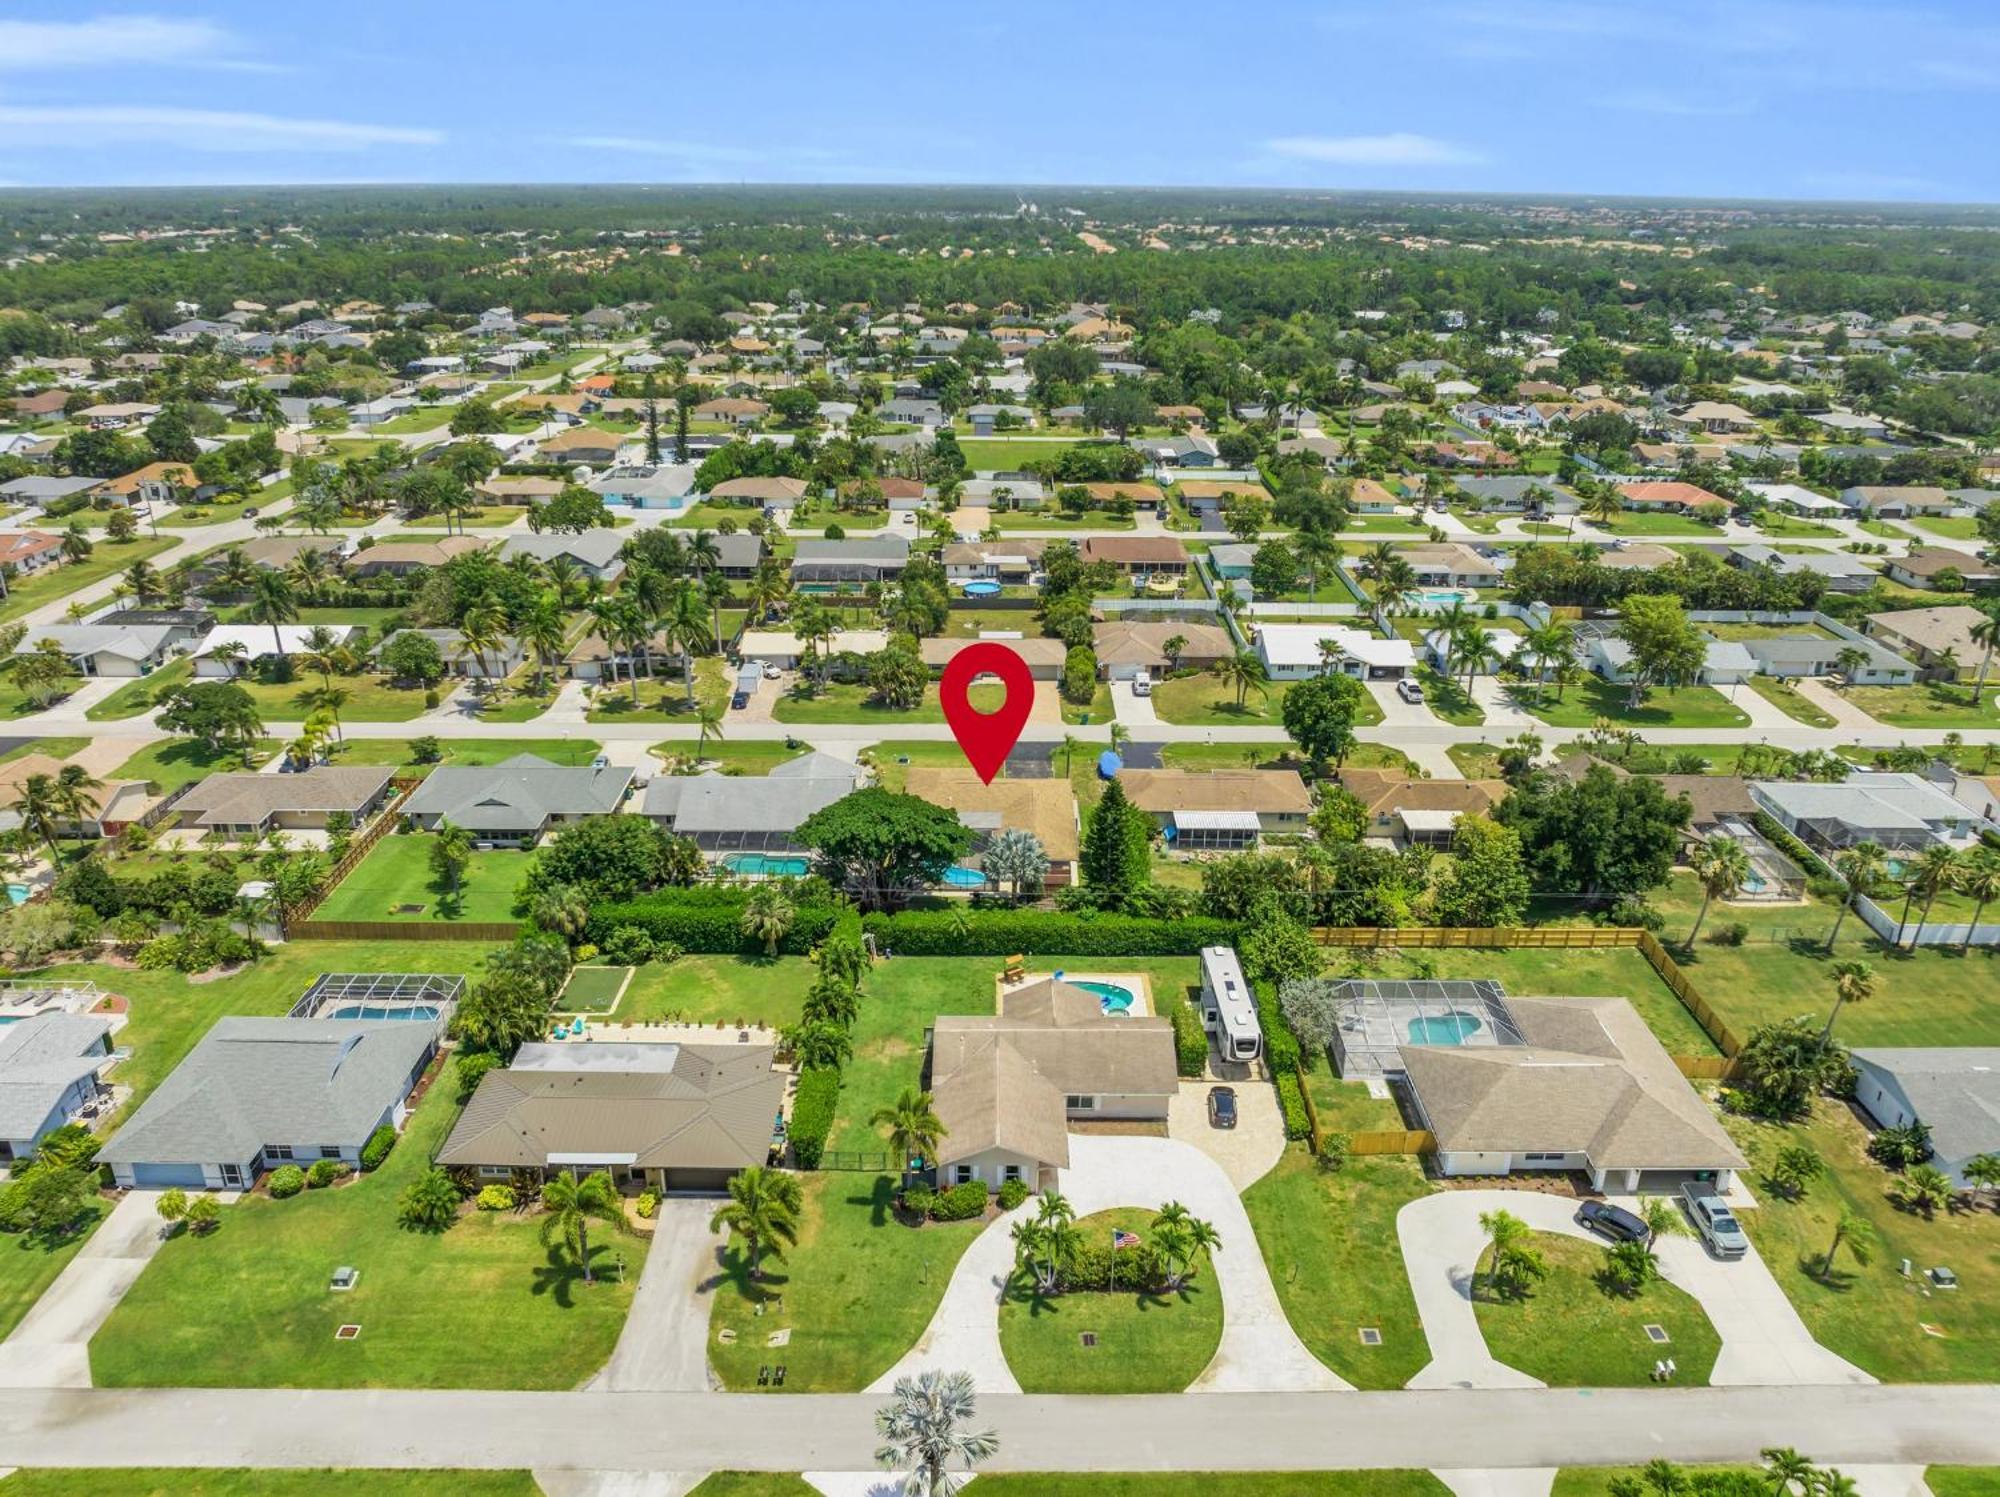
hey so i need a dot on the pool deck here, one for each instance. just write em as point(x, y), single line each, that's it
point(1138, 984)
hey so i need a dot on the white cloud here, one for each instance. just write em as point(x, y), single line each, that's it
point(1664, 101)
point(112, 41)
point(48, 127)
point(1399, 149)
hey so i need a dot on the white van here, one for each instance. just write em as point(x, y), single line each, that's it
point(1228, 1008)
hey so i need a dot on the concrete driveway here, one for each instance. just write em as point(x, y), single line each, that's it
point(1247, 1152)
point(50, 1348)
point(1131, 709)
point(1397, 713)
point(1258, 1350)
point(1491, 695)
point(1763, 1340)
point(664, 1345)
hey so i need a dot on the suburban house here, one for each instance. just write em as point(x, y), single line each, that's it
point(1558, 1084)
point(401, 558)
point(1190, 450)
point(1795, 499)
point(1809, 651)
point(1006, 1085)
point(1003, 491)
point(495, 663)
point(1516, 494)
point(1898, 501)
point(666, 1117)
point(580, 444)
point(1954, 1092)
point(1403, 812)
point(1640, 556)
point(1900, 812)
point(662, 486)
point(1136, 555)
point(257, 1093)
point(529, 489)
point(514, 802)
point(40, 488)
point(51, 1069)
point(1129, 648)
point(27, 551)
point(782, 648)
point(1144, 497)
point(1841, 574)
point(749, 813)
point(156, 483)
point(1671, 495)
point(1725, 662)
point(765, 493)
point(109, 809)
point(1292, 652)
point(1010, 562)
point(276, 553)
point(232, 649)
point(875, 558)
point(1438, 650)
point(594, 553)
point(1716, 417)
point(1938, 639)
point(244, 806)
point(105, 649)
point(1043, 657)
point(1222, 810)
point(732, 409)
point(593, 658)
point(1451, 564)
point(1046, 808)
point(1923, 567)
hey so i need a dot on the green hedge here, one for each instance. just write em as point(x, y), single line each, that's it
point(705, 922)
point(961, 1203)
point(1032, 932)
point(812, 1115)
point(1098, 1267)
point(1281, 1046)
point(1190, 1041)
point(1292, 1103)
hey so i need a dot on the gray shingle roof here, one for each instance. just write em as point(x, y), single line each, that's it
point(244, 799)
point(595, 548)
point(40, 1059)
point(523, 791)
point(255, 1081)
point(777, 802)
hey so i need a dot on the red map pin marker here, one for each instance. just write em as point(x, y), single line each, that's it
point(987, 738)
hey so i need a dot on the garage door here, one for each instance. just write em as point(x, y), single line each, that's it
point(697, 1182)
point(159, 1176)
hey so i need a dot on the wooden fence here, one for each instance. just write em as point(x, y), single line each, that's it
point(1392, 1141)
point(404, 930)
point(357, 849)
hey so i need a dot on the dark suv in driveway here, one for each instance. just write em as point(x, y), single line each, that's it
point(1614, 1222)
point(1221, 1107)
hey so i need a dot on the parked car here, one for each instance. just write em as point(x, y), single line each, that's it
point(771, 672)
point(1222, 1107)
point(250, 513)
point(1410, 689)
point(1713, 1219)
point(740, 701)
point(1614, 1222)
point(1142, 686)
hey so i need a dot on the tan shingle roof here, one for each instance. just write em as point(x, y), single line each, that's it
point(1123, 643)
point(1158, 791)
point(1383, 790)
point(1045, 807)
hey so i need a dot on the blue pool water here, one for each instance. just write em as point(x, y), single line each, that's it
point(18, 893)
point(1896, 867)
point(962, 877)
point(982, 589)
point(1114, 1000)
point(381, 1011)
point(1440, 597)
point(752, 864)
point(1443, 1029)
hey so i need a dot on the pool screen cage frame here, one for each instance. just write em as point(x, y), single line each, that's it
point(386, 988)
point(1375, 1014)
point(43, 995)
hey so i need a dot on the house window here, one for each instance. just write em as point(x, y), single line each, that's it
point(961, 1173)
point(329, 1151)
point(1011, 1172)
point(277, 1151)
point(1080, 1104)
point(1543, 1158)
point(232, 1174)
point(495, 1172)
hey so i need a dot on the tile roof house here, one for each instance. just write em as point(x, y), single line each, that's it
point(156, 483)
point(1128, 648)
point(515, 801)
point(25, 551)
point(580, 444)
point(1588, 1088)
point(400, 558)
point(1135, 553)
point(1043, 657)
point(1451, 564)
point(109, 808)
point(1955, 1092)
point(769, 492)
point(1006, 1085)
point(670, 1117)
point(1222, 809)
point(749, 813)
point(256, 1093)
point(246, 805)
point(50, 1065)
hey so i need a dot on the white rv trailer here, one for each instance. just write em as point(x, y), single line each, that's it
point(1228, 1009)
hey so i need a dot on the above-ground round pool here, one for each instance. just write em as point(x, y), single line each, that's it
point(1443, 1029)
point(1114, 1000)
point(982, 589)
point(961, 877)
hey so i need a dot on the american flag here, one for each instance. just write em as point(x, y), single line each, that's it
point(1120, 1238)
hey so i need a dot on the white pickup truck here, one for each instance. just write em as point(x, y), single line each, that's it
point(1713, 1219)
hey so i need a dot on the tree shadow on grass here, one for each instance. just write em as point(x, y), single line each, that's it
point(880, 1201)
point(1814, 1267)
point(733, 1270)
point(560, 1277)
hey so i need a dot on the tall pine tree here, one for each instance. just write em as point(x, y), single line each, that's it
point(1115, 850)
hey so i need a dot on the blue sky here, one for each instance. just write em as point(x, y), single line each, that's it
point(1727, 98)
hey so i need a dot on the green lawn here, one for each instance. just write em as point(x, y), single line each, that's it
point(663, 700)
point(483, 1305)
point(138, 696)
point(1787, 699)
point(1932, 704)
point(1653, 522)
point(1954, 527)
point(1870, 1314)
point(1346, 1106)
point(172, 762)
point(1794, 527)
point(53, 584)
point(855, 1293)
point(998, 454)
point(1569, 1332)
point(754, 1484)
point(1449, 699)
point(466, 751)
point(1049, 517)
point(487, 517)
point(1473, 519)
point(54, 747)
point(888, 754)
point(1963, 1481)
point(398, 872)
point(848, 702)
point(592, 990)
point(1329, 1239)
point(1097, 710)
point(1203, 700)
point(370, 698)
point(753, 757)
point(30, 1261)
point(1214, 1484)
point(1595, 1481)
point(729, 991)
point(190, 516)
point(1663, 707)
point(1145, 1342)
point(161, 1481)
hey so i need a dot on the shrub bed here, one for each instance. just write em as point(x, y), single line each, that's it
point(703, 921)
point(812, 1115)
point(1007, 932)
point(286, 1180)
point(380, 1142)
point(961, 1203)
point(1281, 1046)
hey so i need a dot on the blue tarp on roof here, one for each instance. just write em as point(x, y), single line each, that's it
point(1108, 765)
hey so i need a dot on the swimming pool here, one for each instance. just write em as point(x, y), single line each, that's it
point(1115, 1001)
point(381, 1011)
point(1439, 597)
point(18, 893)
point(961, 877)
point(1443, 1029)
point(982, 589)
point(763, 865)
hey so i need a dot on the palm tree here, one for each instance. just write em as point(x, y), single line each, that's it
point(309, 574)
point(1508, 1234)
point(330, 699)
point(710, 721)
point(1979, 879)
point(923, 1431)
point(479, 634)
point(143, 580)
point(1244, 672)
point(566, 578)
point(1604, 504)
point(1548, 646)
point(1853, 982)
point(1861, 865)
point(571, 1204)
point(1180, 1237)
point(768, 915)
point(763, 1209)
point(322, 652)
point(544, 632)
point(1314, 549)
point(1789, 1473)
point(1851, 660)
point(1722, 865)
point(1936, 872)
point(686, 627)
point(236, 573)
point(1474, 649)
point(39, 805)
point(1853, 1232)
point(914, 1128)
point(1048, 1242)
point(1985, 633)
point(272, 602)
point(812, 625)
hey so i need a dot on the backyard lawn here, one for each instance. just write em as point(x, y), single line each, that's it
point(519, 1315)
point(52, 584)
point(855, 1293)
point(238, 1482)
point(1870, 1314)
point(397, 874)
point(1000, 455)
point(1143, 1342)
point(592, 990)
point(1571, 1333)
point(1932, 704)
point(30, 1261)
point(724, 990)
point(1662, 707)
point(1329, 1240)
